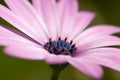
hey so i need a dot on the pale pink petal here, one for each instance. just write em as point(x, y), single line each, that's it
point(14, 38)
point(102, 29)
point(108, 57)
point(31, 53)
point(56, 59)
point(102, 52)
point(37, 5)
point(97, 31)
point(88, 68)
point(100, 42)
point(90, 39)
point(84, 18)
point(25, 10)
point(48, 9)
point(36, 15)
point(67, 14)
point(20, 23)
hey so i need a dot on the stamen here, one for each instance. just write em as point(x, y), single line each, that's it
point(50, 40)
point(66, 39)
point(59, 38)
point(64, 48)
point(47, 49)
point(73, 45)
point(71, 41)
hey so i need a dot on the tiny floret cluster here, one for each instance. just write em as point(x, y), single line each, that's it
point(60, 47)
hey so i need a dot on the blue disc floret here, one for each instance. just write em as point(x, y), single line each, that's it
point(60, 47)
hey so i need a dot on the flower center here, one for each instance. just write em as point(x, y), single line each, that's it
point(60, 47)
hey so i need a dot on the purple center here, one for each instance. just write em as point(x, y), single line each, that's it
point(60, 47)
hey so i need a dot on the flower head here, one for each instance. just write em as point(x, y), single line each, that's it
point(55, 31)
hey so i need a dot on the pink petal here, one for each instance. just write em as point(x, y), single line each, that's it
point(108, 57)
point(20, 23)
point(96, 32)
point(56, 59)
point(36, 14)
point(48, 9)
point(23, 6)
point(31, 53)
point(100, 42)
point(9, 38)
point(83, 20)
point(88, 68)
point(103, 29)
point(67, 16)
point(37, 5)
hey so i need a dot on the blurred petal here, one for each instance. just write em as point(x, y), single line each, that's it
point(11, 37)
point(38, 6)
point(23, 6)
point(21, 23)
point(84, 18)
point(56, 59)
point(48, 9)
point(99, 42)
point(67, 15)
point(97, 31)
point(31, 53)
point(88, 68)
point(108, 57)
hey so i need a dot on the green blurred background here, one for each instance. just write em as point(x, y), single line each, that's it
point(108, 12)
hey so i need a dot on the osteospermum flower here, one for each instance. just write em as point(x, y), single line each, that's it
point(55, 31)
